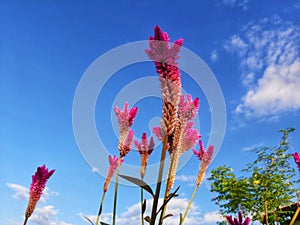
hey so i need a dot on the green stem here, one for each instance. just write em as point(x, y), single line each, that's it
point(189, 205)
point(100, 208)
point(142, 201)
point(159, 179)
point(25, 221)
point(116, 191)
point(167, 192)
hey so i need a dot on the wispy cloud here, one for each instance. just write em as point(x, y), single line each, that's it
point(214, 56)
point(234, 3)
point(249, 148)
point(132, 214)
point(186, 178)
point(44, 214)
point(22, 192)
point(270, 64)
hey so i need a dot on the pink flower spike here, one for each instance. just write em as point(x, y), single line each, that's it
point(126, 116)
point(297, 159)
point(113, 165)
point(204, 156)
point(239, 220)
point(145, 149)
point(190, 137)
point(187, 109)
point(37, 187)
point(132, 114)
point(126, 146)
point(113, 162)
point(158, 133)
point(163, 55)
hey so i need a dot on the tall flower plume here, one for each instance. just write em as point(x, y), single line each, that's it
point(205, 157)
point(113, 164)
point(190, 137)
point(145, 149)
point(239, 220)
point(297, 159)
point(165, 57)
point(125, 119)
point(187, 109)
point(184, 137)
point(37, 187)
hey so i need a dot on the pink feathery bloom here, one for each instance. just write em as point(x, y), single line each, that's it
point(205, 157)
point(187, 109)
point(190, 137)
point(239, 220)
point(113, 164)
point(297, 159)
point(158, 133)
point(126, 116)
point(145, 149)
point(37, 186)
point(165, 57)
point(125, 119)
point(127, 144)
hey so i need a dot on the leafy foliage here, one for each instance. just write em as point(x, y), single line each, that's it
point(268, 186)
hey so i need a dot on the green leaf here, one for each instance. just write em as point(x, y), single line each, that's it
point(144, 206)
point(170, 196)
point(168, 215)
point(148, 219)
point(102, 223)
point(180, 218)
point(88, 220)
point(138, 182)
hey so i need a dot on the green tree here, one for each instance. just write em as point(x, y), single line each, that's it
point(268, 186)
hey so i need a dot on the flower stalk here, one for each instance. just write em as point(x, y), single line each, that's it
point(116, 191)
point(113, 164)
point(205, 157)
point(159, 180)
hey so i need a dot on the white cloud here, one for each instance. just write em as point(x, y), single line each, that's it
point(270, 64)
point(214, 56)
point(249, 148)
point(234, 3)
point(175, 207)
point(22, 192)
point(47, 215)
point(186, 178)
point(42, 215)
point(212, 217)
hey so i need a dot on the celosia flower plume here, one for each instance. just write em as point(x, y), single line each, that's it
point(145, 149)
point(239, 220)
point(125, 119)
point(190, 137)
point(187, 109)
point(184, 136)
point(205, 157)
point(126, 116)
point(297, 159)
point(113, 164)
point(125, 147)
point(37, 186)
point(165, 57)
point(187, 139)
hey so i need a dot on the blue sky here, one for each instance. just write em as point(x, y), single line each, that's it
point(251, 46)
